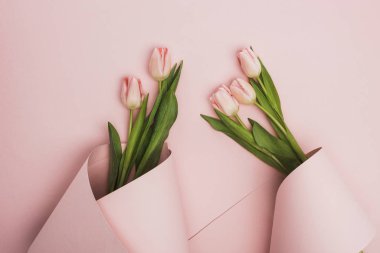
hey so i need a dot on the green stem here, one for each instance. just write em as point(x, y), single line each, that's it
point(263, 150)
point(296, 147)
point(262, 86)
point(237, 117)
point(149, 123)
point(274, 120)
point(160, 86)
point(285, 130)
point(130, 122)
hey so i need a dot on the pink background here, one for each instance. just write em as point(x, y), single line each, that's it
point(60, 69)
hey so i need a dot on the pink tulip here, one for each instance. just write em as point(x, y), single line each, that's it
point(243, 91)
point(249, 63)
point(132, 93)
point(223, 101)
point(160, 63)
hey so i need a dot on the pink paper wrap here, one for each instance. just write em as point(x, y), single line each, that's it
point(314, 212)
point(143, 216)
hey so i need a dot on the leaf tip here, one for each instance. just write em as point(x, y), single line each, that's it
point(219, 113)
point(205, 117)
point(252, 122)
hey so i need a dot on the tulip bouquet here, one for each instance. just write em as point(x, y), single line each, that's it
point(146, 132)
point(281, 150)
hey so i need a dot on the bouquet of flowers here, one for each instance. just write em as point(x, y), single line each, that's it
point(114, 204)
point(282, 152)
point(147, 134)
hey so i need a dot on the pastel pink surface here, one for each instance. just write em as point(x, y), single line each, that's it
point(245, 227)
point(60, 69)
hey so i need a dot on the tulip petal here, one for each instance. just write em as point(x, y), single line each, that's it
point(249, 63)
point(124, 91)
point(242, 91)
point(160, 63)
point(134, 94)
point(223, 100)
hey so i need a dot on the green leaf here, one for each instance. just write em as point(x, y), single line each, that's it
point(263, 101)
point(251, 147)
point(216, 123)
point(166, 117)
point(235, 128)
point(270, 142)
point(115, 156)
point(166, 84)
point(133, 140)
point(278, 147)
point(171, 83)
point(142, 146)
point(271, 89)
point(261, 153)
point(169, 80)
point(177, 75)
point(287, 136)
point(153, 159)
point(279, 133)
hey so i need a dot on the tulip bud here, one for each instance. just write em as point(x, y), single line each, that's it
point(132, 93)
point(243, 91)
point(160, 64)
point(249, 63)
point(223, 101)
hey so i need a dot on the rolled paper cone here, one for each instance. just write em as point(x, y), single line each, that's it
point(77, 223)
point(147, 213)
point(143, 216)
point(315, 212)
